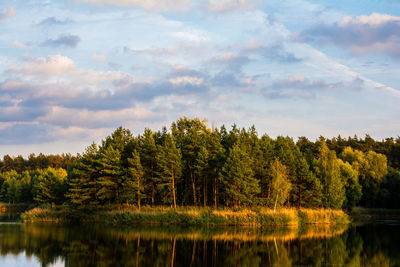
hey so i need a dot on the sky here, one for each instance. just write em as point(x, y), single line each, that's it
point(72, 71)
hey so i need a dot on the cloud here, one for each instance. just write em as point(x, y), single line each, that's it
point(51, 65)
point(53, 21)
point(7, 14)
point(99, 57)
point(42, 3)
point(182, 48)
point(225, 6)
point(376, 33)
point(192, 35)
point(56, 81)
point(20, 45)
point(233, 61)
point(275, 52)
point(65, 117)
point(298, 86)
point(68, 40)
point(151, 5)
point(23, 133)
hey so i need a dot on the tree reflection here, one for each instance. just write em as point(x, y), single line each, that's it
point(160, 246)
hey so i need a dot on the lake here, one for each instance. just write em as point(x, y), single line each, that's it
point(376, 244)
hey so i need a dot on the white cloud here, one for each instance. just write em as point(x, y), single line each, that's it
point(192, 35)
point(152, 5)
point(7, 14)
point(223, 6)
point(366, 34)
point(20, 45)
point(375, 19)
point(51, 65)
point(99, 57)
point(65, 117)
point(184, 80)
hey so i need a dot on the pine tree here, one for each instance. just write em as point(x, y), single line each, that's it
point(133, 187)
point(110, 179)
point(202, 171)
point(216, 160)
point(84, 179)
point(189, 135)
point(169, 165)
point(148, 159)
point(238, 178)
point(306, 188)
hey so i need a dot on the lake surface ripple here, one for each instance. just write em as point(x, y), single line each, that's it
point(374, 244)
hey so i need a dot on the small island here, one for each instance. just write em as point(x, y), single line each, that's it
point(195, 175)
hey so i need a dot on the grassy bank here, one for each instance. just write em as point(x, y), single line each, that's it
point(256, 217)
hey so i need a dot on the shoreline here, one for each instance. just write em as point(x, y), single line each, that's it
point(254, 217)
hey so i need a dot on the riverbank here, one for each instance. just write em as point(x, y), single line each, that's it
point(255, 217)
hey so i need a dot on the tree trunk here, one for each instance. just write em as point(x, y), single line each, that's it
point(138, 192)
point(215, 188)
point(194, 189)
point(276, 200)
point(116, 199)
point(173, 253)
point(173, 188)
point(205, 190)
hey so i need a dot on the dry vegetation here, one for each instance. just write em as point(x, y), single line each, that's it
point(255, 217)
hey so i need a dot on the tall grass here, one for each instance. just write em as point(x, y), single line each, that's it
point(254, 217)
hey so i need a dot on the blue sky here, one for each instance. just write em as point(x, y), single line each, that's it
point(72, 71)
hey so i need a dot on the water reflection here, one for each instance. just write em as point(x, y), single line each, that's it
point(369, 245)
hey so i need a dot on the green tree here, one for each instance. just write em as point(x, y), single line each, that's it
point(84, 174)
point(8, 192)
point(327, 168)
point(148, 160)
point(169, 164)
point(280, 185)
point(371, 168)
point(352, 187)
point(110, 179)
point(132, 187)
point(189, 135)
point(202, 170)
point(306, 189)
point(238, 179)
point(51, 187)
point(216, 159)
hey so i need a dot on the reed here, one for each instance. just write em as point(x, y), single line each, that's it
point(253, 217)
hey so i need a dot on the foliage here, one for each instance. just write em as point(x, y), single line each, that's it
point(280, 186)
point(132, 186)
point(194, 165)
point(51, 186)
point(327, 168)
point(240, 186)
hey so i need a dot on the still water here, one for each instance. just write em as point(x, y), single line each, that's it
point(53, 245)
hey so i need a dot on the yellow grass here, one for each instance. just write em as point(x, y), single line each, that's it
point(254, 217)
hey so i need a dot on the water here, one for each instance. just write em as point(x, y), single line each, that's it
point(53, 245)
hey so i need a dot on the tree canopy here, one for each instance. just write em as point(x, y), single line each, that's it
point(192, 164)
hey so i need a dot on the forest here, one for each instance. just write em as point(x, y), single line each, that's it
point(190, 164)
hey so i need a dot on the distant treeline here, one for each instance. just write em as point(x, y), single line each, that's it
point(194, 165)
point(36, 162)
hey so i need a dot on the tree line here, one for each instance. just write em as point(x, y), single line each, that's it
point(192, 164)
